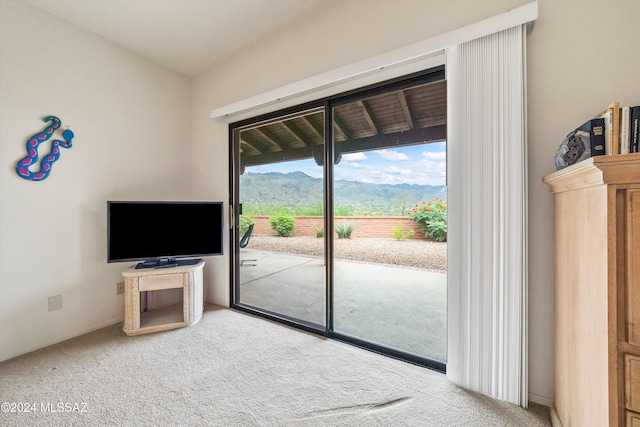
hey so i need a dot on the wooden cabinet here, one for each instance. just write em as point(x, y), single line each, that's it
point(633, 267)
point(632, 382)
point(597, 292)
point(145, 312)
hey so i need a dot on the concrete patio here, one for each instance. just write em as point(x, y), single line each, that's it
point(398, 307)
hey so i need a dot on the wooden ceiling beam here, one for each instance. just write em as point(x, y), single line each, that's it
point(368, 116)
point(392, 140)
point(281, 156)
point(270, 139)
point(313, 129)
point(339, 124)
point(294, 131)
point(405, 109)
point(251, 145)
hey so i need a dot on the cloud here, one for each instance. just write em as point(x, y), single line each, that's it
point(435, 155)
point(354, 157)
point(428, 168)
point(392, 156)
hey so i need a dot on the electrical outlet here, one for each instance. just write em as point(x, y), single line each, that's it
point(55, 303)
point(119, 288)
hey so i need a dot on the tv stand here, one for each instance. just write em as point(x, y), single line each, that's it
point(143, 316)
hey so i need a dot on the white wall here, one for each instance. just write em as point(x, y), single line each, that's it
point(132, 125)
point(581, 57)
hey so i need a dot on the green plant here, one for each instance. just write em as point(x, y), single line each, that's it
point(344, 230)
point(397, 231)
point(319, 231)
point(245, 222)
point(275, 209)
point(283, 224)
point(343, 210)
point(431, 218)
point(437, 230)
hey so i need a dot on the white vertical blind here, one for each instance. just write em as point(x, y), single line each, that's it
point(487, 196)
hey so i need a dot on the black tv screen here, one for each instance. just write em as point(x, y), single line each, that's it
point(153, 231)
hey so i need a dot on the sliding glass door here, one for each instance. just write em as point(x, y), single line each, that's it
point(280, 189)
point(346, 203)
point(389, 279)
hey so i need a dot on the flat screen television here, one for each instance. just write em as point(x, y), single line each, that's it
point(163, 234)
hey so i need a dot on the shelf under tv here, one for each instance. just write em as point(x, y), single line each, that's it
point(142, 316)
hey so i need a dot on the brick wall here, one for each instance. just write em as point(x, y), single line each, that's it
point(364, 226)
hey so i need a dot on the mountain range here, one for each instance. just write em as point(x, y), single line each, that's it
point(300, 189)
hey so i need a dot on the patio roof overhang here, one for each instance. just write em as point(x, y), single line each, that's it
point(406, 116)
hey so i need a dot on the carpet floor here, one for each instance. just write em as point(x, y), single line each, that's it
point(234, 369)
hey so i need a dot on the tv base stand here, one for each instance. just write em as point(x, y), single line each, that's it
point(141, 313)
point(168, 263)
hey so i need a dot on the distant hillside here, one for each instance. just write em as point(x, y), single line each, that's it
point(297, 189)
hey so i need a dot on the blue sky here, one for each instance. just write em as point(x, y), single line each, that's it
point(423, 164)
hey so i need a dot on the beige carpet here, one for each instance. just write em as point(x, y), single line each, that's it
point(234, 369)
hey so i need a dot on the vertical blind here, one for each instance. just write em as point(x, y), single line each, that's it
point(487, 196)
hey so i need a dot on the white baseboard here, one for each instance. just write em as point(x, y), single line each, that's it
point(64, 338)
point(540, 400)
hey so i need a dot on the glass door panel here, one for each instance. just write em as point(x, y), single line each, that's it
point(389, 280)
point(281, 264)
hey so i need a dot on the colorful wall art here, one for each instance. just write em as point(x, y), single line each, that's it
point(31, 159)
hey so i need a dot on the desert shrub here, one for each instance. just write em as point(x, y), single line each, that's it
point(277, 209)
point(400, 235)
point(344, 230)
point(431, 218)
point(437, 230)
point(283, 224)
point(319, 231)
point(343, 210)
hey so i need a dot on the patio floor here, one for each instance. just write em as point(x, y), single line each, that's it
point(398, 307)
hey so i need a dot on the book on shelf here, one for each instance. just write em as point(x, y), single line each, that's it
point(634, 129)
point(627, 129)
point(615, 118)
point(596, 136)
point(624, 130)
point(608, 131)
point(611, 117)
point(586, 141)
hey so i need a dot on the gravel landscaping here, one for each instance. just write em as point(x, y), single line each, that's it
point(414, 253)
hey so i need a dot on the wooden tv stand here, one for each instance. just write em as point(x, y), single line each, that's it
point(141, 313)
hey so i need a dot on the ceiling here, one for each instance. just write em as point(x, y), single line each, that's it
point(186, 36)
